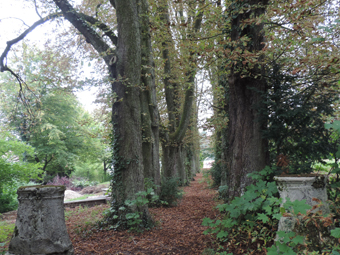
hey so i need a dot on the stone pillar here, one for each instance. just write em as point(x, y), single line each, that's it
point(299, 188)
point(40, 227)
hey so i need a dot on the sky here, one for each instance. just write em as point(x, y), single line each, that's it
point(12, 15)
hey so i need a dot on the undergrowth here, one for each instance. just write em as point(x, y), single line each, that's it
point(6, 230)
point(131, 214)
point(251, 221)
point(88, 219)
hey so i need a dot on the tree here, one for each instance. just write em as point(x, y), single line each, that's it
point(14, 168)
point(46, 114)
point(246, 150)
point(295, 117)
point(178, 76)
point(261, 35)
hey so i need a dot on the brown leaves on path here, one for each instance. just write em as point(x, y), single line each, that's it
point(179, 229)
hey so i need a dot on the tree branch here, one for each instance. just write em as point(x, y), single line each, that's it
point(3, 67)
point(85, 29)
point(108, 32)
point(36, 9)
point(179, 134)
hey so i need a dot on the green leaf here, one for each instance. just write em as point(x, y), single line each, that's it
point(264, 218)
point(207, 222)
point(318, 39)
point(298, 240)
point(335, 233)
point(297, 206)
point(222, 235)
point(272, 250)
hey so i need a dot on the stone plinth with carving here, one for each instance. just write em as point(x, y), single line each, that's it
point(40, 226)
point(299, 188)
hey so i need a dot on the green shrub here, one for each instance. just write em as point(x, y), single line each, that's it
point(8, 202)
point(82, 183)
point(6, 231)
point(170, 191)
point(254, 217)
point(216, 174)
point(89, 171)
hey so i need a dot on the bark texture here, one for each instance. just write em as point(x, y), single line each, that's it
point(174, 152)
point(150, 114)
point(128, 158)
point(246, 151)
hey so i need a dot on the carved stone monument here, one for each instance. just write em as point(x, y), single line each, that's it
point(40, 227)
point(313, 190)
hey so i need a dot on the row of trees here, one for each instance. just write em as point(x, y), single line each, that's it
point(268, 62)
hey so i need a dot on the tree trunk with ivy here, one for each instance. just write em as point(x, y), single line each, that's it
point(246, 151)
point(128, 176)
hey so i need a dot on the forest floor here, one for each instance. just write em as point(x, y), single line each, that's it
point(178, 229)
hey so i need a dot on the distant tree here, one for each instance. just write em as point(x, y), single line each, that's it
point(45, 113)
point(14, 168)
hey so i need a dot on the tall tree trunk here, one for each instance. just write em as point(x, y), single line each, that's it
point(128, 176)
point(150, 114)
point(246, 149)
point(172, 144)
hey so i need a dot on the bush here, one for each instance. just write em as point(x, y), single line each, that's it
point(170, 191)
point(82, 183)
point(8, 202)
point(58, 181)
point(216, 174)
point(253, 219)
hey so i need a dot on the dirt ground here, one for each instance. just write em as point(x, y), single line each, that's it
point(179, 229)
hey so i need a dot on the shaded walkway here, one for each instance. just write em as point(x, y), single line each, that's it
point(179, 229)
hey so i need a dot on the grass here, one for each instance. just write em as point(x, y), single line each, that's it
point(6, 230)
point(81, 198)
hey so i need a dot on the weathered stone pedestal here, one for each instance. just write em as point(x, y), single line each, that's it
point(299, 188)
point(40, 227)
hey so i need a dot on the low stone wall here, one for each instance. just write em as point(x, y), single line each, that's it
point(87, 202)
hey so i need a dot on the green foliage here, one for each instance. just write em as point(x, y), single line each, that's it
point(14, 169)
point(6, 230)
point(44, 112)
point(242, 215)
point(254, 216)
point(7, 202)
point(170, 191)
point(130, 215)
point(295, 120)
point(91, 171)
point(216, 173)
point(334, 177)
